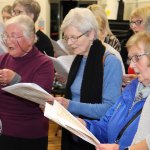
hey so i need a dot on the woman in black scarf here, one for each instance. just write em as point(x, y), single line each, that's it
point(95, 78)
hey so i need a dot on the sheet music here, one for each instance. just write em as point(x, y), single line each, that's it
point(62, 64)
point(64, 118)
point(29, 91)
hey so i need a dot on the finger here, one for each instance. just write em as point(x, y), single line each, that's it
point(3, 82)
point(50, 100)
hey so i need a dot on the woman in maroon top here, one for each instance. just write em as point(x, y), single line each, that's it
point(24, 126)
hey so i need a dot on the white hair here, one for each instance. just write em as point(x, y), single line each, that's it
point(25, 22)
point(82, 19)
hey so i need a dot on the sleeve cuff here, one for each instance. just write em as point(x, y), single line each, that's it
point(16, 79)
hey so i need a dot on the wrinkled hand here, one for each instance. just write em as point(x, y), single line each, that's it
point(6, 75)
point(127, 78)
point(63, 101)
point(51, 99)
point(107, 147)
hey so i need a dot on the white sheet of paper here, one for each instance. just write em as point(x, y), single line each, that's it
point(59, 48)
point(64, 118)
point(62, 64)
point(29, 91)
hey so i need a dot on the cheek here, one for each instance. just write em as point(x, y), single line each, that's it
point(145, 63)
point(24, 44)
point(141, 28)
point(85, 45)
point(148, 61)
point(140, 77)
point(80, 48)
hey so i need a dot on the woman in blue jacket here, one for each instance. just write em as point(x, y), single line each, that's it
point(114, 128)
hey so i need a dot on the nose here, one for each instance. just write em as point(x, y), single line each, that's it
point(133, 27)
point(69, 42)
point(13, 13)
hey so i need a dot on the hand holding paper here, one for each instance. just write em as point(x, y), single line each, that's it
point(55, 112)
point(61, 116)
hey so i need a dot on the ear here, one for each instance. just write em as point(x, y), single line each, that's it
point(31, 15)
point(92, 34)
point(31, 39)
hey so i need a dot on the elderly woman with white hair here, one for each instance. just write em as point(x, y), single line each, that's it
point(95, 78)
point(23, 125)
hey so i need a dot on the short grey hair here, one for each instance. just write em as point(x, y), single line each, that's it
point(82, 19)
point(25, 22)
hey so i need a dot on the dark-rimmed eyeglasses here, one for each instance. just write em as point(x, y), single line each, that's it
point(136, 58)
point(73, 38)
point(137, 23)
point(17, 12)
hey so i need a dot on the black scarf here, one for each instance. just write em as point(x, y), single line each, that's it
point(92, 83)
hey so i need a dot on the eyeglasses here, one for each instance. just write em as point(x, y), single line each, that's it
point(137, 23)
point(17, 12)
point(136, 58)
point(73, 38)
point(13, 36)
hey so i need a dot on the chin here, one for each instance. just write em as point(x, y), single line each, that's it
point(76, 53)
point(145, 84)
point(13, 55)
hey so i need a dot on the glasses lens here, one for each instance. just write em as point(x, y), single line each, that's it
point(4, 38)
point(135, 58)
point(72, 38)
point(137, 23)
point(17, 12)
point(65, 39)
